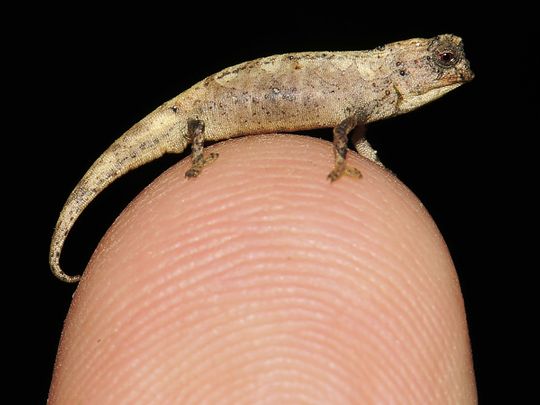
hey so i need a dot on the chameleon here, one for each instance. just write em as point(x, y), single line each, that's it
point(290, 92)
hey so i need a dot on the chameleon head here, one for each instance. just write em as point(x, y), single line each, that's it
point(426, 69)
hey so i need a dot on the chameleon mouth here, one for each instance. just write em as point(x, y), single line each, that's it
point(466, 76)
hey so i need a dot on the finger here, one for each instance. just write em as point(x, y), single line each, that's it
point(260, 281)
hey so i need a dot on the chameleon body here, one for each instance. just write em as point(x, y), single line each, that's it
point(289, 92)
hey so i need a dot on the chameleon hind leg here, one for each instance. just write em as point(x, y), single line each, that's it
point(198, 161)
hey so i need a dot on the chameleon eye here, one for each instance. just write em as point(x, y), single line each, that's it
point(446, 58)
point(445, 51)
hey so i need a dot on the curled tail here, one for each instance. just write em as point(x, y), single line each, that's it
point(160, 132)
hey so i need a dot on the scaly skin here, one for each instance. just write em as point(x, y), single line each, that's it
point(289, 92)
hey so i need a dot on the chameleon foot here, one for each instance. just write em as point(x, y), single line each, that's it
point(341, 170)
point(353, 172)
point(198, 165)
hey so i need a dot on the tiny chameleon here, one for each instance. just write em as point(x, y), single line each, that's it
point(288, 92)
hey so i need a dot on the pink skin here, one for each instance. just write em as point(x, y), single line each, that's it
point(261, 282)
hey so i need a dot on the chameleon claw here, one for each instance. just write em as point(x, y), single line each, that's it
point(353, 172)
point(336, 173)
point(341, 170)
point(197, 167)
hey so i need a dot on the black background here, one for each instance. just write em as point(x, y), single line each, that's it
point(82, 79)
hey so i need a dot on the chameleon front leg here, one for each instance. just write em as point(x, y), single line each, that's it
point(341, 134)
point(198, 161)
point(362, 145)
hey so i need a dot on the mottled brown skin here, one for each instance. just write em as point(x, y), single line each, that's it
point(282, 93)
